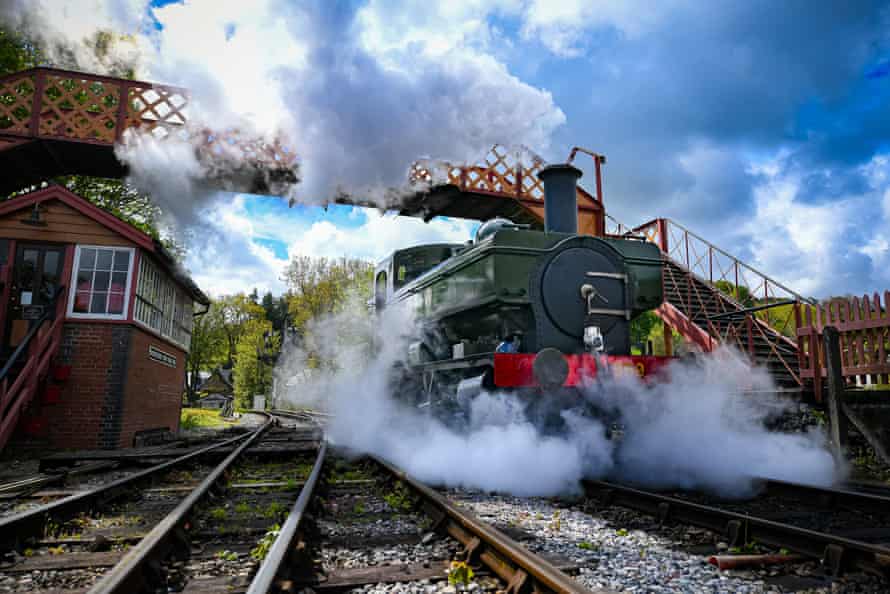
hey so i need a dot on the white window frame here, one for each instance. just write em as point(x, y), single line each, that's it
point(168, 326)
point(72, 287)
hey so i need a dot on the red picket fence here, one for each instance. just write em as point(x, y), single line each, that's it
point(864, 326)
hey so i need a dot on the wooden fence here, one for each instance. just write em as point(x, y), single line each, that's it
point(864, 326)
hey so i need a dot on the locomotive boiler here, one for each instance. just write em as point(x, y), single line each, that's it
point(519, 309)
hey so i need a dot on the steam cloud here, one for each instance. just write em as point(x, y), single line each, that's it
point(356, 115)
point(698, 430)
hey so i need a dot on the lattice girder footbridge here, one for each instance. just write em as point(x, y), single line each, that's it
point(56, 122)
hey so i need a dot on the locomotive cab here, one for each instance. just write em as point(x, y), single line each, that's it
point(406, 265)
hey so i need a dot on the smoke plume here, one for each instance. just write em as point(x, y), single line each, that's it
point(306, 74)
point(704, 428)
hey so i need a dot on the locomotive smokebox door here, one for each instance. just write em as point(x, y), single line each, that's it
point(581, 283)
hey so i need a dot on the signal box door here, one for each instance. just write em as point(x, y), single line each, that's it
point(36, 274)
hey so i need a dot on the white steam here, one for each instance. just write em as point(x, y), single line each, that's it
point(67, 31)
point(356, 114)
point(698, 430)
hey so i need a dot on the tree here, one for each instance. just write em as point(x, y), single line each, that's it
point(641, 327)
point(230, 314)
point(251, 373)
point(17, 53)
point(321, 286)
point(743, 297)
point(208, 347)
point(276, 310)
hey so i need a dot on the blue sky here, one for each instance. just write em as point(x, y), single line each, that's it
point(762, 126)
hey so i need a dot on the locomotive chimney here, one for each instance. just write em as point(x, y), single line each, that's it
point(560, 197)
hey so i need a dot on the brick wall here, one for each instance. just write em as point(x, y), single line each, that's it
point(115, 389)
point(77, 420)
point(154, 390)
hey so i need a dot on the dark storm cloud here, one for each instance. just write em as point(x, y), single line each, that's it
point(731, 78)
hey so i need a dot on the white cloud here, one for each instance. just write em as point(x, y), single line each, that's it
point(378, 236)
point(821, 248)
point(561, 26)
point(231, 259)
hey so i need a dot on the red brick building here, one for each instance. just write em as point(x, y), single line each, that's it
point(96, 321)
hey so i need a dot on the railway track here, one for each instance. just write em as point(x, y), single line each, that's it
point(171, 510)
point(242, 525)
point(844, 529)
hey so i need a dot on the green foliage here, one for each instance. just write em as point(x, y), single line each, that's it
point(251, 374)
point(242, 508)
point(739, 293)
point(587, 546)
point(748, 548)
point(640, 328)
point(460, 574)
point(273, 510)
point(229, 315)
point(227, 555)
point(192, 418)
point(276, 310)
point(319, 287)
point(17, 53)
point(262, 547)
point(656, 335)
point(622, 532)
point(219, 513)
point(400, 498)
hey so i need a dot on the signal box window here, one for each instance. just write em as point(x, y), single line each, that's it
point(101, 282)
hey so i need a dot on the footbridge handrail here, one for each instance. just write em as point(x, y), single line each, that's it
point(703, 258)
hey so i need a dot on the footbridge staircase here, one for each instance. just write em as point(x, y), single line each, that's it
point(712, 298)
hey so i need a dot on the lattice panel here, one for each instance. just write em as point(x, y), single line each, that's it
point(16, 101)
point(257, 152)
point(79, 108)
point(158, 109)
point(420, 173)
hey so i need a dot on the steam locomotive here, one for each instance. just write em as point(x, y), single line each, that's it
point(534, 312)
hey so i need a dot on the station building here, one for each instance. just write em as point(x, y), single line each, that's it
point(97, 322)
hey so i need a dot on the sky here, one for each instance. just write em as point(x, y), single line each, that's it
point(762, 126)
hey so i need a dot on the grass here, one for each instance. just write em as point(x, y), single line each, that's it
point(192, 418)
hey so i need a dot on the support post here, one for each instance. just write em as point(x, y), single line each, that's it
point(668, 340)
point(837, 420)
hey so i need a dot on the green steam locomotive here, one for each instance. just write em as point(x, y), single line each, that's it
point(520, 309)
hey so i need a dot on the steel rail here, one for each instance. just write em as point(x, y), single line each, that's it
point(277, 561)
point(29, 484)
point(837, 553)
point(137, 570)
point(14, 530)
point(521, 569)
point(830, 496)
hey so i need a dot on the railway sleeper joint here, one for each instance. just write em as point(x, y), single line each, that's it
point(734, 533)
point(473, 551)
point(834, 559)
point(519, 583)
point(437, 517)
